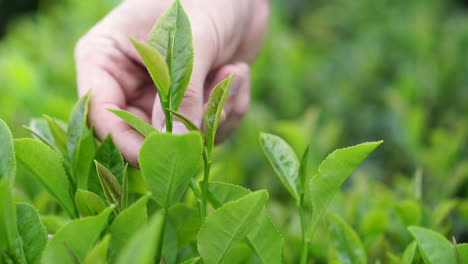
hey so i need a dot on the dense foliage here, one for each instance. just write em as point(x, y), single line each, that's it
point(341, 72)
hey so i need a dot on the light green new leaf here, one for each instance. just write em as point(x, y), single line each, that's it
point(332, 173)
point(284, 161)
point(53, 223)
point(157, 68)
point(77, 127)
point(128, 222)
point(136, 122)
point(98, 254)
point(187, 122)
point(214, 107)
point(168, 163)
point(109, 184)
point(410, 212)
point(142, 246)
point(228, 225)
point(264, 238)
point(194, 260)
point(7, 154)
point(348, 247)
point(434, 248)
point(39, 127)
point(31, 231)
point(10, 241)
point(172, 37)
point(409, 253)
point(88, 203)
point(32, 154)
point(110, 157)
point(58, 133)
point(75, 239)
point(85, 159)
point(463, 252)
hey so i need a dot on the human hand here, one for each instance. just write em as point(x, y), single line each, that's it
point(227, 35)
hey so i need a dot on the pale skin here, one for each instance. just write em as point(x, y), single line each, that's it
point(227, 36)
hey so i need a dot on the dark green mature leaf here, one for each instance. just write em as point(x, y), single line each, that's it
point(157, 68)
point(10, 242)
point(332, 172)
point(434, 248)
point(284, 161)
point(75, 239)
point(31, 231)
point(409, 253)
point(109, 184)
point(136, 122)
point(110, 157)
point(39, 127)
point(7, 154)
point(172, 37)
point(186, 221)
point(77, 127)
point(463, 252)
point(214, 107)
point(33, 154)
point(228, 225)
point(142, 246)
point(88, 203)
point(168, 163)
point(187, 122)
point(348, 247)
point(128, 222)
point(264, 238)
point(98, 254)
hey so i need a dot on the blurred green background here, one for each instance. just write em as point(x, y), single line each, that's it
point(332, 73)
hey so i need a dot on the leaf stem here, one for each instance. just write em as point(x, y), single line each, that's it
point(305, 241)
point(204, 187)
point(168, 121)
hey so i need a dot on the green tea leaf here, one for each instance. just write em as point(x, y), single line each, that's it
point(348, 247)
point(188, 124)
point(214, 107)
point(53, 223)
point(88, 203)
point(303, 172)
point(170, 243)
point(75, 239)
point(409, 253)
point(332, 172)
point(128, 222)
point(194, 260)
point(31, 231)
point(442, 211)
point(98, 254)
point(463, 251)
point(157, 68)
point(136, 122)
point(284, 161)
point(32, 155)
point(264, 238)
point(410, 212)
point(77, 127)
point(168, 163)
point(110, 157)
point(39, 127)
point(124, 201)
point(228, 225)
point(7, 154)
point(434, 248)
point(142, 246)
point(58, 133)
point(186, 221)
point(109, 185)
point(10, 242)
point(172, 37)
point(85, 159)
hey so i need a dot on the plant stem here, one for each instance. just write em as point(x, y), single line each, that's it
point(168, 121)
point(206, 177)
point(305, 241)
point(161, 236)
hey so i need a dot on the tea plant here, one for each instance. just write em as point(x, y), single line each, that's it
point(112, 213)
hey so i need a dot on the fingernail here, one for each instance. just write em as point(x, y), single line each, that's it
point(234, 88)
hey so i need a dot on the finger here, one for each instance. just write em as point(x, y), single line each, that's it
point(238, 99)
